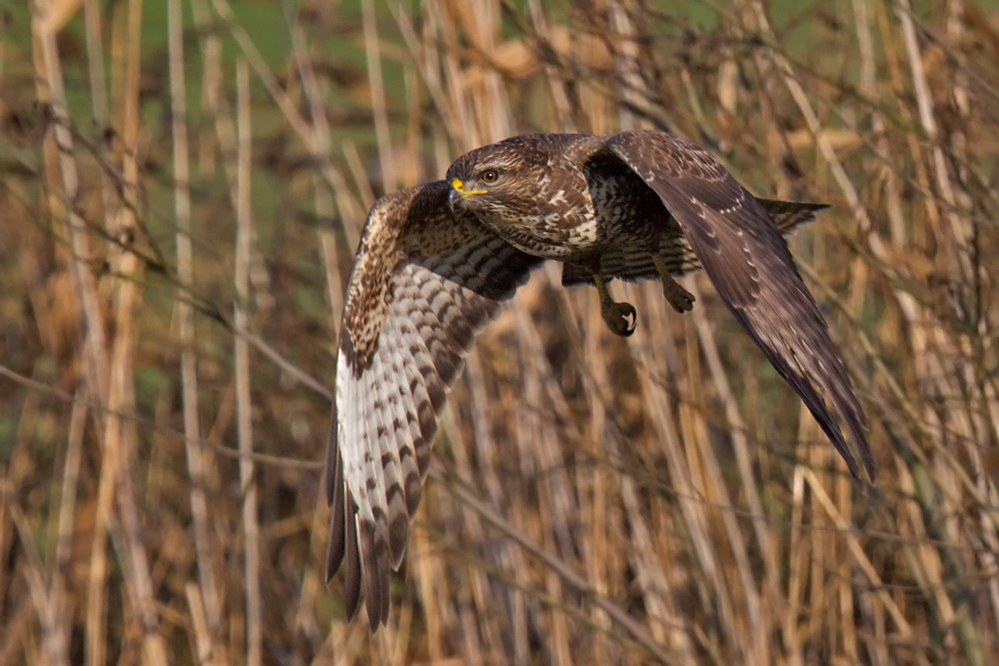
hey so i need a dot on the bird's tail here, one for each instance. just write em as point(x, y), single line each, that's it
point(788, 215)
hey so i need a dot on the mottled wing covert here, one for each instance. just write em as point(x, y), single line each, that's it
point(422, 285)
point(748, 261)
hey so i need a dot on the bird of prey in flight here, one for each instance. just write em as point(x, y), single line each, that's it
point(435, 262)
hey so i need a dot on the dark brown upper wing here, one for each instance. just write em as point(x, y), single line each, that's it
point(422, 285)
point(749, 264)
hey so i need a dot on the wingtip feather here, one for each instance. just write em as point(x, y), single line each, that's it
point(352, 572)
point(337, 538)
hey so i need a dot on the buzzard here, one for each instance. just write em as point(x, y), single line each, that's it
point(435, 261)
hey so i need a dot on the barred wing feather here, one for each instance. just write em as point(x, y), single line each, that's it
point(423, 284)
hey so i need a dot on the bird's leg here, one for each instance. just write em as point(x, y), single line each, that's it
point(681, 299)
point(621, 318)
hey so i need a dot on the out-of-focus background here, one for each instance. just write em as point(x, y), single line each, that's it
point(182, 185)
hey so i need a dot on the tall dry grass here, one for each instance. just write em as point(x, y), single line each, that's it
point(176, 224)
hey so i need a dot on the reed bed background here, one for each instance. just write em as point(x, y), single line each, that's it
point(182, 185)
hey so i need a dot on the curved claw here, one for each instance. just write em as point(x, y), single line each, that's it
point(678, 297)
point(621, 318)
point(681, 299)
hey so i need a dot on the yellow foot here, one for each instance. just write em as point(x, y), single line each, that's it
point(621, 318)
point(681, 299)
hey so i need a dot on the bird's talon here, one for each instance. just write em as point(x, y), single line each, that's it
point(681, 299)
point(621, 318)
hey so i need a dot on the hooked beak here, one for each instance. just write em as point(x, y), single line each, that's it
point(458, 193)
point(455, 195)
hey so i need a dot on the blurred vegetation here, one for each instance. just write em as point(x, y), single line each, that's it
point(181, 188)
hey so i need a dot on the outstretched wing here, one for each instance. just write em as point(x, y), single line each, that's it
point(749, 264)
point(676, 253)
point(422, 285)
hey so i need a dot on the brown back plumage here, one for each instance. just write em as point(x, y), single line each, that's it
point(676, 252)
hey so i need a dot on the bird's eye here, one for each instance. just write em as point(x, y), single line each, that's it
point(489, 176)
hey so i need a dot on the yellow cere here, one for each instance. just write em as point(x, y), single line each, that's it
point(460, 187)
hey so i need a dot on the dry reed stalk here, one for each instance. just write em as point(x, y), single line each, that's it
point(661, 606)
point(402, 637)
point(798, 552)
point(18, 646)
point(537, 437)
point(757, 614)
point(915, 427)
point(320, 143)
point(14, 474)
point(478, 583)
point(98, 94)
point(345, 202)
point(42, 602)
point(64, 184)
point(958, 242)
point(119, 436)
point(688, 493)
point(64, 529)
point(226, 136)
point(412, 170)
point(637, 632)
point(96, 619)
point(856, 550)
point(594, 484)
point(556, 86)
point(468, 582)
point(131, 549)
point(386, 157)
point(875, 243)
point(969, 426)
point(95, 64)
point(244, 423)
point(825, 545)
point(627, 69)
point(53, 646)
point(50, 606)
point(209, 598)
point(843, 573)
point(664, 617)
point(924, 105)
point(357, 173)
point(489, 457)
point(203, 640)
point(313, 583)
point(116, 395)
point(212, 101)
point(740, 444)
point(427, 574)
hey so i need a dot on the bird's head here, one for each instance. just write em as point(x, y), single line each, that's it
point(500, 182)
point(479, 183)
